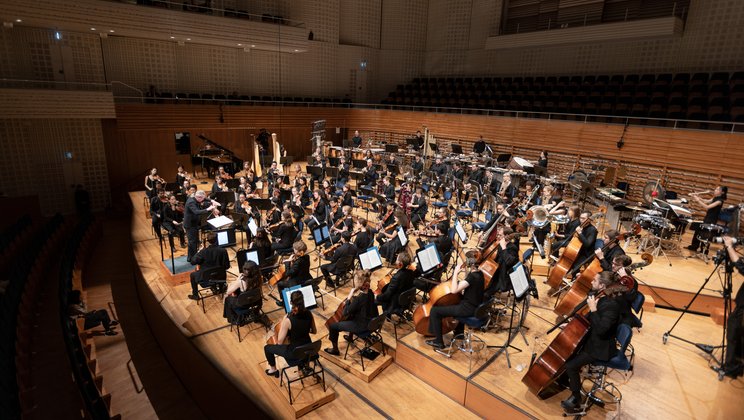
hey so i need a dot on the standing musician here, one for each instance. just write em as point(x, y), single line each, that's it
point(284, 233)
point(507, 256)
point(150, 182)
point(344, 224)
point(614, 250)
point(713, 208)
point(346, 249)
point(173, 221)
point(419, 140)
point(363, 236)
point(318, 215)
point(194, 208)
point(479, 146)
point(357, 139)
point(343, 171)
point(392, 246)
point(543, 160)
point(472, 296)
point(399, 283)
point(360, 308)
point(209, 258)
point(604, 316)
point(370, 174)
point(181, 175)
point(347, 196)
point(418, 207)
point(417, 166)
point(297, 326)
point(297, 270)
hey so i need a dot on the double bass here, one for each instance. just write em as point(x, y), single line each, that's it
point(563, 266)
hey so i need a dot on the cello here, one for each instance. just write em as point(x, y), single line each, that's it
point(439, 295)
point(563, 266)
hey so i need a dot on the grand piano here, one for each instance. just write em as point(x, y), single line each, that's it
point(213, 155)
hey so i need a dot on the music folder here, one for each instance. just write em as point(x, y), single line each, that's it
point(402, 236)
point(370, 259)
point(429, 258)
point(220, 221)
point(461, 232)
point(519, 281)
point(226, 238)
point(252, 226)
point(321, 234)
point(252, 255)
point(307, 294)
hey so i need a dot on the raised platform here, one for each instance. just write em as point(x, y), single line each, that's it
point(305, 397)
point(352, 363)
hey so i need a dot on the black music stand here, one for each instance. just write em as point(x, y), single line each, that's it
point(225, 198)
point(358, 163)
point(393, 169)
point(503, 159)
point(456, 149)
point(334, 161)
point(240, 220)
point(391, 148)
point(332, 172)
point(286, 160)
point(377, 166)
point(171, 187)
point(315, 171)
point(233, 183)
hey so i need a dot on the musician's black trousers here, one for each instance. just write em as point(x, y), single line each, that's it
point(735, 335)
point(440, 312)
point(416, 219)
point(97, 317)
point(273, 350)
point(350, 326)
point(573, 367)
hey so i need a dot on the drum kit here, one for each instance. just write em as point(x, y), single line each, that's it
point(660, 233)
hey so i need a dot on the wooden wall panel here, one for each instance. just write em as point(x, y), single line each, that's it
point(685, 160)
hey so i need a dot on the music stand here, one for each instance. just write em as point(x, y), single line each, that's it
point(540, 171)
point(240, 219)
point(456, 149)
point(226, 238)
point(503, 159)
point(316, 171)
point(171, 187)
point(286, 160)
point(358, 163)
point(332, 172)
point(334, 161)
point(377, 166)
point(412, 142)
point(370, 259)
point(233, 184)
point(391, 148)
point(225, 198)
point(433, 147)
point(393, 169)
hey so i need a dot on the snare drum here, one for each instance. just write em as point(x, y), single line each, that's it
point(709, 231)
point(662, 228)
point(644, 220)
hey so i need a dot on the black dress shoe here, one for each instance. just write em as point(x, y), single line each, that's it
point(331, 350)
point(570, 404)
point(434, 343)
point(692, 248)
point(348, 337)
point(193, 297)
point(274, 373)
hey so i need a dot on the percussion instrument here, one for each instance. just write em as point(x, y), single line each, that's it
point(644, 220)
point(707, 232)
point(662, 228)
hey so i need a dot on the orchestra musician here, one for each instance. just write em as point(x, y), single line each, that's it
point(370, 174)
point(274, 173)
point(357, 139)
point(440, 238)
point(194, 208)
point(297, 327)
point(184, 187)
point(457, 171)
point(181, 175)
point(244, 172)
point(419, 140)
point(386, 221)
point(219, 185)
point(275, 215)
point(712, 208)
point(507, 256)
point(348, 197)
point(543, 160)
point(319, 160)
point(392, 246)
point(249, 281)
point(363, 236)
point(297, 270)
point(587, 236)
point(604, 316)
point(209, 258)
point(621, 266)
point(438, 168)
point(399, 283)
point(733, 366)
point(507, 190)
point(284, 234)
point(337, 212)
point(388, 192)
point(157, 206)
point(614, 250)
point(243, 186)
point(173, 221)
point(417, 166)
point(343, 172)
point(346, 249)
point(471, 289)
point(318, 215)
point(223, 174)
point(418, 207)
point(563, 239)
point(262, 244)
point(479, 146)
point(490, 185)
point(360, 308)
point(344, 224)
point(151, 181)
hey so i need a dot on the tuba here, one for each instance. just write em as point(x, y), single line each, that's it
point(539, 216)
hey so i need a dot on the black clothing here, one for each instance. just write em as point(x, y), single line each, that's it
point(399, 283)
point(348, 200)
point(479, 146)
point(610, 255)
point(173, 223)
point(286, 234)
point(473, 294)
point(345, 250)
point(357, 140)
point(440, 169)
point(370, 176)
point(588, 237)
point(343, 173)
point(418, 214)
point(192, 210)
point(389, 192)
point(471, 299)
point(357, 314)
point(711, 215)
point(507, 259)
point(542, 163)
point(211, 257)
point(297, 273)
point(363, 240)
point(231, 303)
point(417, 166)
point(298, 335)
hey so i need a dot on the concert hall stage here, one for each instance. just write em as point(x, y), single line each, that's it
point(670, 380)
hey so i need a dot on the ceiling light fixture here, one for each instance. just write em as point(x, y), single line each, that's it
point(240, 45)
point(188, 39)
point(173, 37)
point(18, 20)
point(111, 31)
point(253, 46)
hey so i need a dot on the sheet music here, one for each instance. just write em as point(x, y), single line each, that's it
point(461, 232)
point(370, 259)
point(428, 257)
point(220, 221)
point(402, 236)
point(307, 294)
point(252, 226)
point(252, 256)
point(222, 238)
point(519, 280)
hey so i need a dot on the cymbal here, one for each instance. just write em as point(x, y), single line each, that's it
point(636, 208)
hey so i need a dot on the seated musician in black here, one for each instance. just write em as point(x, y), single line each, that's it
point(370, 174)
point(360, 308)
point(392, 246)
point(173, 221)
point(603, 316)
point(507, 256)
point(210, 258)
point(612, 247)
point(441, 239)
point(387, 219)
point(563, 239)
point(339, 227)
point(319, 210)
point(284, 234)
point(621, 266)
point(438, 168)
point(248, 281)
point(472, 296)
point(587, 236)
point(388, 193)
point(346, 249)
point(364, 237)
point(297, 270)
point(418, 207)
point(417, 166)
point(343, 171)
point(401, 281)
point(297, 327)
point(158, 204)
point(347, 196)
point(262, 244)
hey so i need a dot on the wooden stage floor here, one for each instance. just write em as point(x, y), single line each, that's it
point(669, 381)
